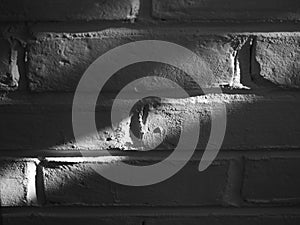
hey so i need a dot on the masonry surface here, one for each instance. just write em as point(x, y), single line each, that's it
point(252, 50)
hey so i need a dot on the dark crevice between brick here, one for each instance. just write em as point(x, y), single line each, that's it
point(246, 68)
point(232, 193)
point(145, 12)
point(39, 184)
point(239, 65)
point(21, 63)
point(243, 56)
point(243, 174)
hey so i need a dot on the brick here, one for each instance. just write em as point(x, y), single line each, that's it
point(77, 183)
point(68, 10)
point(15, 180)
point(278, 58)
point(272, 181)
point(253, 122)
point(9, 74)
point(28, 131)
point(57, 61)
point(232, 10)
point(263, 123)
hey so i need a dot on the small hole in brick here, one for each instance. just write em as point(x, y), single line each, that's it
point(157, 130)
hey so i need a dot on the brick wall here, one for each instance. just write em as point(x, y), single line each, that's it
point(253, 51)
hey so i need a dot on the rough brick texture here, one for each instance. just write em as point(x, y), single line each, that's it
point(63, 182)
point(251, 51)
point(235, 10)
point(278, 57)
point(15, 181)
point(272, 180)
point(68, 10)
point(250, 125)
point(57, 61)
